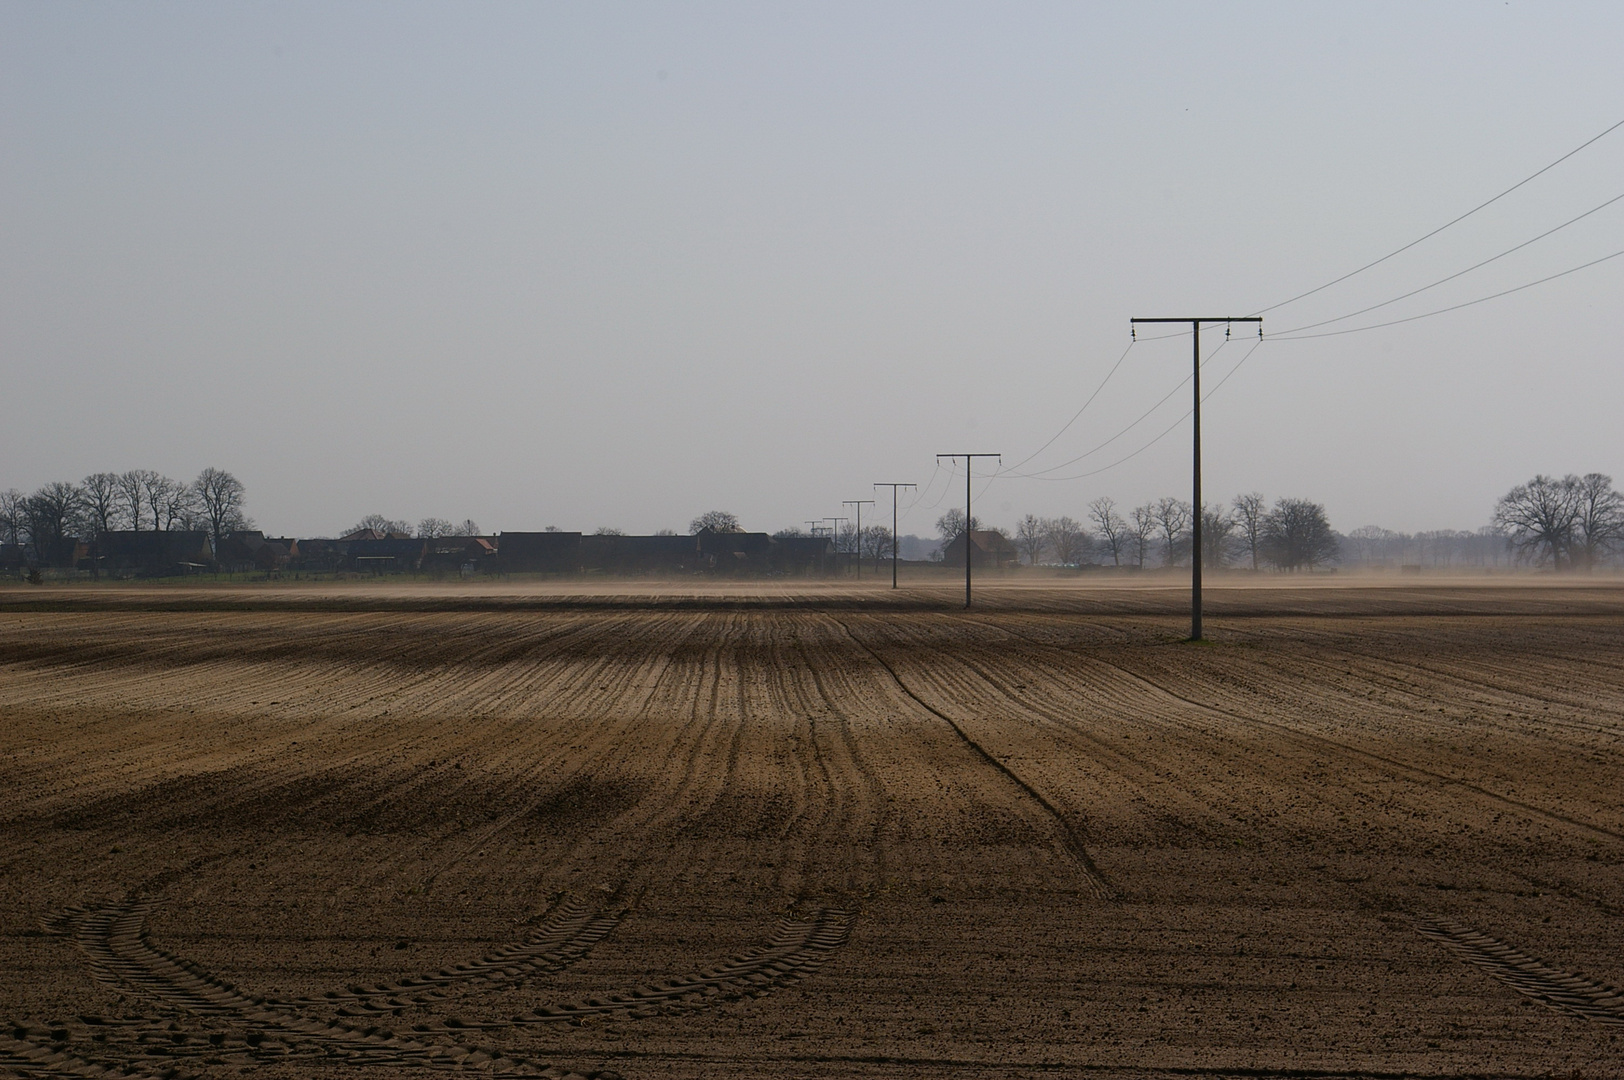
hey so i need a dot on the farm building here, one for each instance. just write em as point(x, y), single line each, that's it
point(987, 549)
point(150, 552)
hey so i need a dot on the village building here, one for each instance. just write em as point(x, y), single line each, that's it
point(148, 552)
point(988, 549)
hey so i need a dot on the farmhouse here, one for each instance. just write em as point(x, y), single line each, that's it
point(987, 549)
point(150, 552)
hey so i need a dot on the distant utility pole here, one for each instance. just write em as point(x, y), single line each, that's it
point(817, 526)
point(894, 544)
point(834, 536)
point(858, 539)
point(969, 460)
point(1195, 536)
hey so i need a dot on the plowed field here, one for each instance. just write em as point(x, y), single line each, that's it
point(780, 832)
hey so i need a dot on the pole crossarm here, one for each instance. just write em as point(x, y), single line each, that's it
point(1195, 512)
point(895, 487)
point(1215, 319)
point(969, 463)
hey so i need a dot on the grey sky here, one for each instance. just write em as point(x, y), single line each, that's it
point(618, 264)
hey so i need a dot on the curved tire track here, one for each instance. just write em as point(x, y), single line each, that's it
point(114, 938)
point(568, 934)
point(1552, 987)
point(796, 950)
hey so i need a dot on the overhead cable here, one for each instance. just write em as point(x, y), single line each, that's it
point(1080, 411)
point(1290, 336)
point(1452, 277)
point(1038, 474)
point(1448, 224)
point(1165, 431)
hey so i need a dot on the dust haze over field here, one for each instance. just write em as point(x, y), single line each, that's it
point(293, 788)
point(771, 831)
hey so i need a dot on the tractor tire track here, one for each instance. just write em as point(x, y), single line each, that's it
point(798, 949)
point(1092, 875)
point(568, 935)
point(1552, 987)
point(114, 938)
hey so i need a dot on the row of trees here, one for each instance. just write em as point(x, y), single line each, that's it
point(1294, 534)
point(430, 528)
point(53, 517)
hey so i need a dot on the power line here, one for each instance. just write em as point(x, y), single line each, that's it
point(1441, 228)
point(1458, 273)
point(1080, 411)
point(1165, 431)
point(1038, 474)
point(1288, 336)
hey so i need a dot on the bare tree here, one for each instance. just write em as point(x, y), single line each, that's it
point(1369, 543)
point(158, 495)
point(432, 528)
point(1172, 521)
point(13, 517)
point(1250, 510)
point(950, 524)
point(1542, 518)
point(100, 494)
point(1067, 540)
point(1144, 529)
point(220, 496)
point(1031, 537)
point(877, 542)
point(1217, 535)
point(132, 494)
point(1297, 536)
point(607, 530)
point(469, 527)
point(51, 513)
point(178, 506)
point(1112, 529)
point(716, 521)
point(1601, 518)
point(387, 526)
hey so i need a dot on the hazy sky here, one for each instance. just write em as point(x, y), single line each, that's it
point(597, 264)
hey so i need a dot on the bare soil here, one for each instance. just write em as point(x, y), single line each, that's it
point(665, 830)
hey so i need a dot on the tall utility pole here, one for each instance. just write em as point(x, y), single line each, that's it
point(894, 488)
point(858, 539)
point(969, 460)
point(1195, 535)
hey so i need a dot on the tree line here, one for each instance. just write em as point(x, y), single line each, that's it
point(59, 514)
point(1293, 534)
point(1571, 522)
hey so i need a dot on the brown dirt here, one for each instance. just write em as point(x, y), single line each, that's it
point(680, 831)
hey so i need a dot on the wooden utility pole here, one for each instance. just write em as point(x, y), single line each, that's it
point(816, 525)
point(1195, 536)
point(857, 540)
point(894, 544)
point(834, 536)
point(969, 460)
